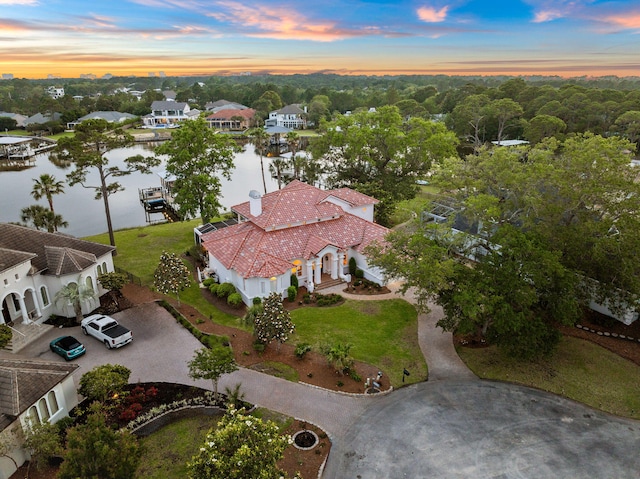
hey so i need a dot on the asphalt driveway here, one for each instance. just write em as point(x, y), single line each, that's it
point(160, 349)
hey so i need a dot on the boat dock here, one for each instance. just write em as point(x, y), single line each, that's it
point(21, 151)
point(158, 200)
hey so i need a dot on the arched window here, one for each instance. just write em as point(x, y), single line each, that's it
point(44, 295)
point(89, 283)
point(53, 402)
point(104, 267)
point(99, 270)
point(33, 415)
point(43, 410)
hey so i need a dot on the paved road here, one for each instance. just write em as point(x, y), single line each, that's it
point(453, 426)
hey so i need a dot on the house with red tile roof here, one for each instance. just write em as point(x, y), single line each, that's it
point(301, 230)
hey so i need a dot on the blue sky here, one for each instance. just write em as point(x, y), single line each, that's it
point(356, 37)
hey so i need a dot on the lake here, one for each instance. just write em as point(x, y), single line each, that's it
point(85, 214)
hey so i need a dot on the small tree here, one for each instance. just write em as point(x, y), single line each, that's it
point(103, 381)
point(43, 442)
point(338, 356)
point(94, 450)
point(241, 447)
point(211, 364)
point(171, 275)
point(74, 295)
point(113, 282)
point(353, 266)
point(274, 323)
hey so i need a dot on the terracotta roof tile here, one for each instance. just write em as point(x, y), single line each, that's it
point(253, 249)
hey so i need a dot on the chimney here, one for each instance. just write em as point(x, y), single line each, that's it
point(255, 203)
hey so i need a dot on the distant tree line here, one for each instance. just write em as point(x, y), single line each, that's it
point(476, 108)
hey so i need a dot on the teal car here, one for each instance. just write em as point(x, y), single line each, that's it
point(68, 347)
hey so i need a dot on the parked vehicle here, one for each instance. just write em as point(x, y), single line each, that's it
point(68, 347)
point(106, 329)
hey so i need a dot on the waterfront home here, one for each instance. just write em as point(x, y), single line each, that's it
point(168, 114)
point(109, 116)
point(35, 266)
point(299, 230)
point(291, 116)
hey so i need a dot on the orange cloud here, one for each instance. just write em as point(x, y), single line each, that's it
point(628, 21)
point(281, 23)
point(431, 15)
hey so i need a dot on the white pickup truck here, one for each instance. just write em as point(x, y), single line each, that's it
point(106, 329)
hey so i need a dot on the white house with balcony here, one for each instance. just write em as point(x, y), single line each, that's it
point(168, 114)
point(291, 116)
point(35, 266)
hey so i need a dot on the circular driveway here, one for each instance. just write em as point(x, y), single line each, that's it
point(481, 429)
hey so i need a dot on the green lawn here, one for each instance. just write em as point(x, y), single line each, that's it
point(382, 333)
point(167, 451)
point(139, 251)
point(579, 370)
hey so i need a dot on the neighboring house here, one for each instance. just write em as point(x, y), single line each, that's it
point(168, 114)
point(169, 95)
point(109, 116)
point(41, 119)
point(474, 250)
point(218, 105)
point(55, 92)
point(230, 119)
point(20, 119)
point(291, 116)
point(35, 265)
point(300, 230)
point(31, 392)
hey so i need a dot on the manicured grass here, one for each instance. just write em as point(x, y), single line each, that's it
point(579, 370)
point(167, 451)
point(139, 251)
point(278, 370)
point(382, 333)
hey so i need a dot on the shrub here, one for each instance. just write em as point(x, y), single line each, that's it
point(250, 316)
point(294, 280)
point(234, 299)
point(359, 273)
point(292, 292)
point(208, 282)
point(306, 298)
point(259, 346)
point(353, 267)
point(226, 289)
point(5, 335)
point(257, 300)
point(354, 375)
point(328, 300)
point(214, 288)
point(302, 349)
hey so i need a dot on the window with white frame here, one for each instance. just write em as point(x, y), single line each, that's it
point(43, 410)
point(53, 402)
point(44, 295)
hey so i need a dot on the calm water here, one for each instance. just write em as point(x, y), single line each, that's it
point(86, 216)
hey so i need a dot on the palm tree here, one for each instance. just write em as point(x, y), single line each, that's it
point(276, 167)
point(45, 187)
point(261, 140)
point(42, 218)
point(293, 141)
point(73, 294)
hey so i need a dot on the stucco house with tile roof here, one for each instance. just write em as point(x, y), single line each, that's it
point(300, 230)
point(31, 392)
point(35, 265)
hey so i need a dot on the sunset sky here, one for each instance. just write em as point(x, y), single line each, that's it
point(67, 38)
